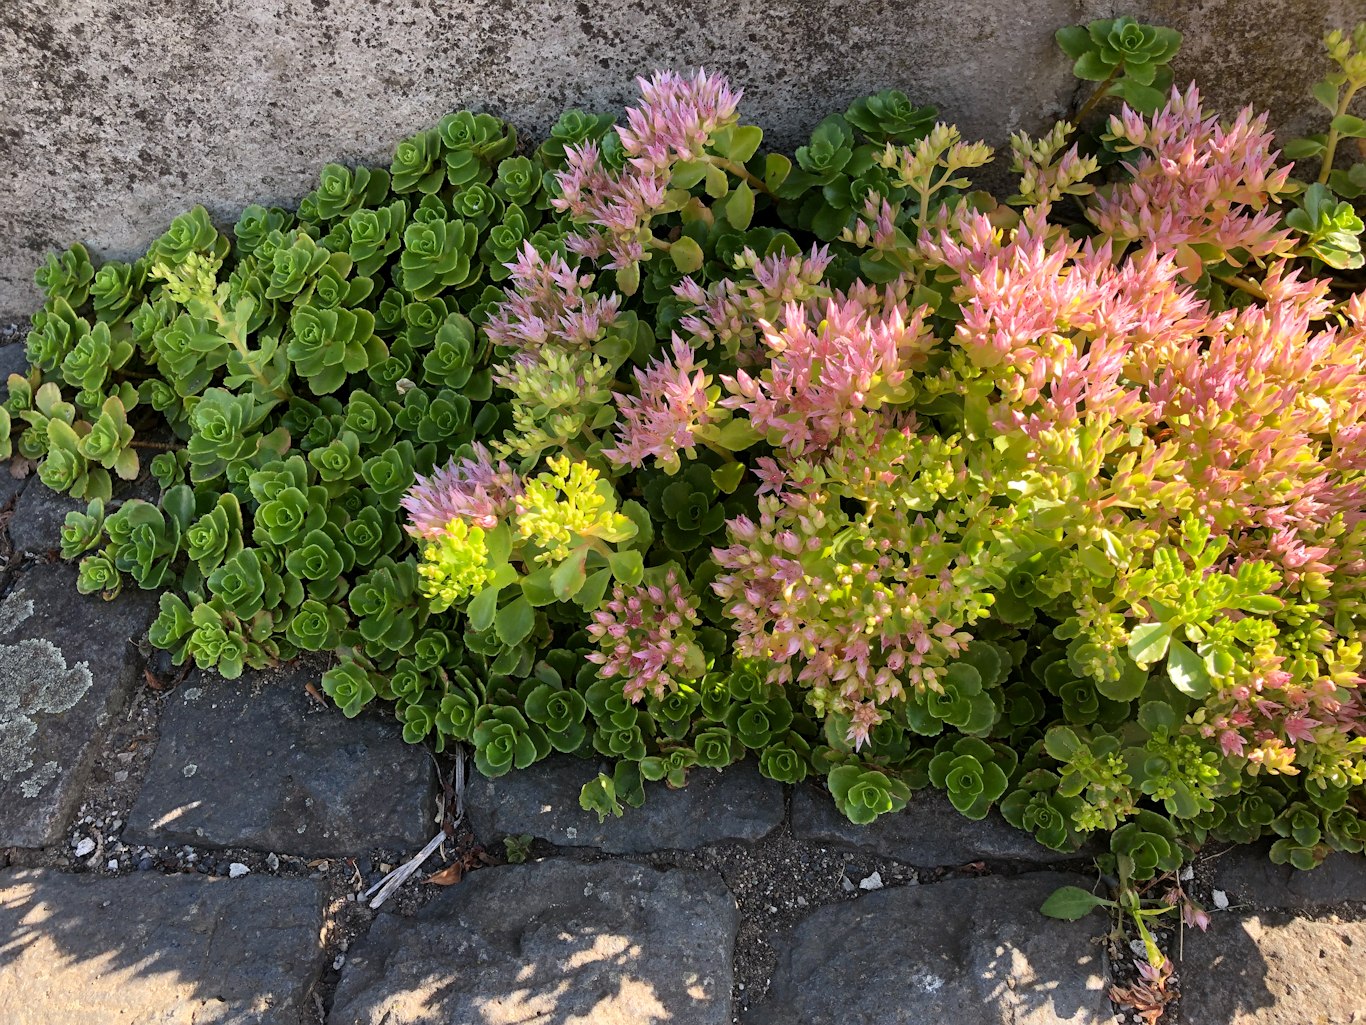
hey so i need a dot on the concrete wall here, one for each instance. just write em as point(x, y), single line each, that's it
point(117, 114)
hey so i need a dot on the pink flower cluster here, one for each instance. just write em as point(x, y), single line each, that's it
point(1053, 321)
point(859, 627)
point(474, 489)
point(1263, 413)
point(645, 636)
point(1272, 712)
point(828, 362)
point(1254, 415)
point(1196, 183)
point(676, 118)
point(729, 313)
point(550, 303)
point(660, 421)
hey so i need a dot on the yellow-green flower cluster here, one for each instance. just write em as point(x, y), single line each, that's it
point(566, 506)
point(454, 566)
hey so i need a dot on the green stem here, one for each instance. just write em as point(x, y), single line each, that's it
point(740, 171)
point(1098, 95)
point(1250, 287)
point(922, 214)
point(1330, 147)
point(723, 453)
point(240, 345)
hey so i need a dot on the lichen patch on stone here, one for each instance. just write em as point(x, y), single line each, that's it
point(33, 786)
point(15, 608)
point(34, 680)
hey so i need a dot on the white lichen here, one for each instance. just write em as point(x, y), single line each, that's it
point(33, 786)
point(16, 607)
point(34, 680)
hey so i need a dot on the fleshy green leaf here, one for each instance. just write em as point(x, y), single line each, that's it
point(686, 254)
point(1187, 670)
point(482, 608)
point(513, 622)
point(1070, 903)
point(1148, 642)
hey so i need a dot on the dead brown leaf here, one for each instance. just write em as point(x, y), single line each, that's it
point(448, 876)
point(1149, 995)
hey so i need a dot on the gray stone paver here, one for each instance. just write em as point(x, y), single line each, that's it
point(543, 800)
point(611, 943)
point(962, 952)
point(36, 524)
point(929, 833)
point(1248, 876)
point(170, 950)
point(1273, 968)
point(256, 763)
point(13, 359)
point(66, 664)
point(10, 486)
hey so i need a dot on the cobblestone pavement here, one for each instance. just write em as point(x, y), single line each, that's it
point(178, 849)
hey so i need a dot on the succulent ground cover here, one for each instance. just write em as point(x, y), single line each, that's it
point(649, 443)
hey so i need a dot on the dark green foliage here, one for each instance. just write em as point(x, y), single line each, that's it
point(864, 794)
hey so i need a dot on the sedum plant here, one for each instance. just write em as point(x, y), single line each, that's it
point(648, 444)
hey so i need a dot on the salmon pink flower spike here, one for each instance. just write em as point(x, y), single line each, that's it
point(475, 490)
point(661, 421)
point(1196, 183)
point(645, 635)
point(676, 118)
point(674, 122)
point(549, 303)
point(829, 361)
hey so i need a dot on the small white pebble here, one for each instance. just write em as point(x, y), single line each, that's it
point(1138, 949)
point(237, 870)
point(84, 846)
point(872, 882)
point(338, 961)
point(113, 865)
point(1220, 900)
point(801, 901)
point(121, 776)
point(1188, 873)
point(846, 885)
point(273, 862)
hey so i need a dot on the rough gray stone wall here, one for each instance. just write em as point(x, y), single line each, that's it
point(115, 115)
